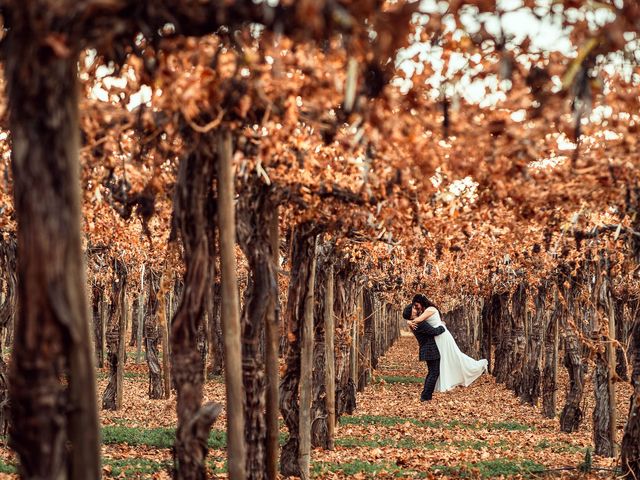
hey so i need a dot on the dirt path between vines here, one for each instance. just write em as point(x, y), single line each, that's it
point(482, 431)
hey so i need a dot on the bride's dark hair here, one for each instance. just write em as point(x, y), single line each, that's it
point(424, 301)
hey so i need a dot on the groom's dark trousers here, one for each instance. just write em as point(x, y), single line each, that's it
point(425, 334)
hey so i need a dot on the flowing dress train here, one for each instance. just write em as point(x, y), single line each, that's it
point(456, 368)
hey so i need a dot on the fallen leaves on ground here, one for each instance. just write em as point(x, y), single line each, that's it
point(479, 431)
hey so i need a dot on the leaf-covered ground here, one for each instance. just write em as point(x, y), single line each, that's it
point(480, 431)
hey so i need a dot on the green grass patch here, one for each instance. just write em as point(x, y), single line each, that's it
point(410, 443)
point(392, 421)
point(121, 421)
point(217, 464)
point(558, 447)
point(371, 470)
point(7, 467)
point(134, 467)
point(153, 437)
point(470, 444)
point(508, 426)
point(135, 376)
point(387, 421)
point(397, 379)
point(491, 468)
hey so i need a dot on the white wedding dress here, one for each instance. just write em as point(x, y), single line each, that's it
point(456, 368)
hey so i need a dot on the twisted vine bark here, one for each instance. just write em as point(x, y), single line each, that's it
point(254, 218)
point(550, 372)
point(365, 372)
point(112, 396)
point(530, 391)
point(490, 313)
point(345, 299)
point(55, 423)
point(630, 452)
point(216, 357)
point(503, 334)
point(319, 427)
point(518, 343)
point(604, 410)
point(97, 310)
point(8, 267)
point(572, 413)
point(622, 336)
point(302, 252)
point(192, 203)
point(152, 336)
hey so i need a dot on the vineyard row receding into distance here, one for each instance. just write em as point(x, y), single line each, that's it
point(249, 193)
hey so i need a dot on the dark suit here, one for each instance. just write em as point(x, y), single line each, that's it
point(425, 334)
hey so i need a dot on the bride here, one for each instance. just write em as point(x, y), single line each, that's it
point(456, 368)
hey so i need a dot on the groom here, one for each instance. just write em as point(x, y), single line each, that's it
point(425, 334)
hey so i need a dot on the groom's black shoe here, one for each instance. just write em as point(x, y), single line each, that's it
point(425, 399)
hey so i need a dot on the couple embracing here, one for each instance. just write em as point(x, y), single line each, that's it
point(447, 365)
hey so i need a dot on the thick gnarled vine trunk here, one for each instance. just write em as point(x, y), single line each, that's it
point(319, 416)
point(518, 341)
point(503, 336)
point(112, 396)
point(8, 259)
point(216, 346)
point(531, 380)
point(344, 303)
point(550, 371)
point(604, 432)
point(572, 413)
point(192, 219)
point(254, 219)
point(302, 256)
point(55, 424)
point(152, 336)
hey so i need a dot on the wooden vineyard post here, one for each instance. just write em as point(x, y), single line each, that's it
point(140, 312)
point(103, 329)
point(230, 310)
point(306, 375)
point(330, 359)
point(272, 335)
point(122, 351)
point(163, 316)
point(360, 363)
point(207, 345)
point(367, 305)
point(166, 332)
point(353, 357)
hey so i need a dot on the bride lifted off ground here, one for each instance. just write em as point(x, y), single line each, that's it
point(448, 367)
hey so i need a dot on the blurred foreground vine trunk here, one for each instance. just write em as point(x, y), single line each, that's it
point(54, 427)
